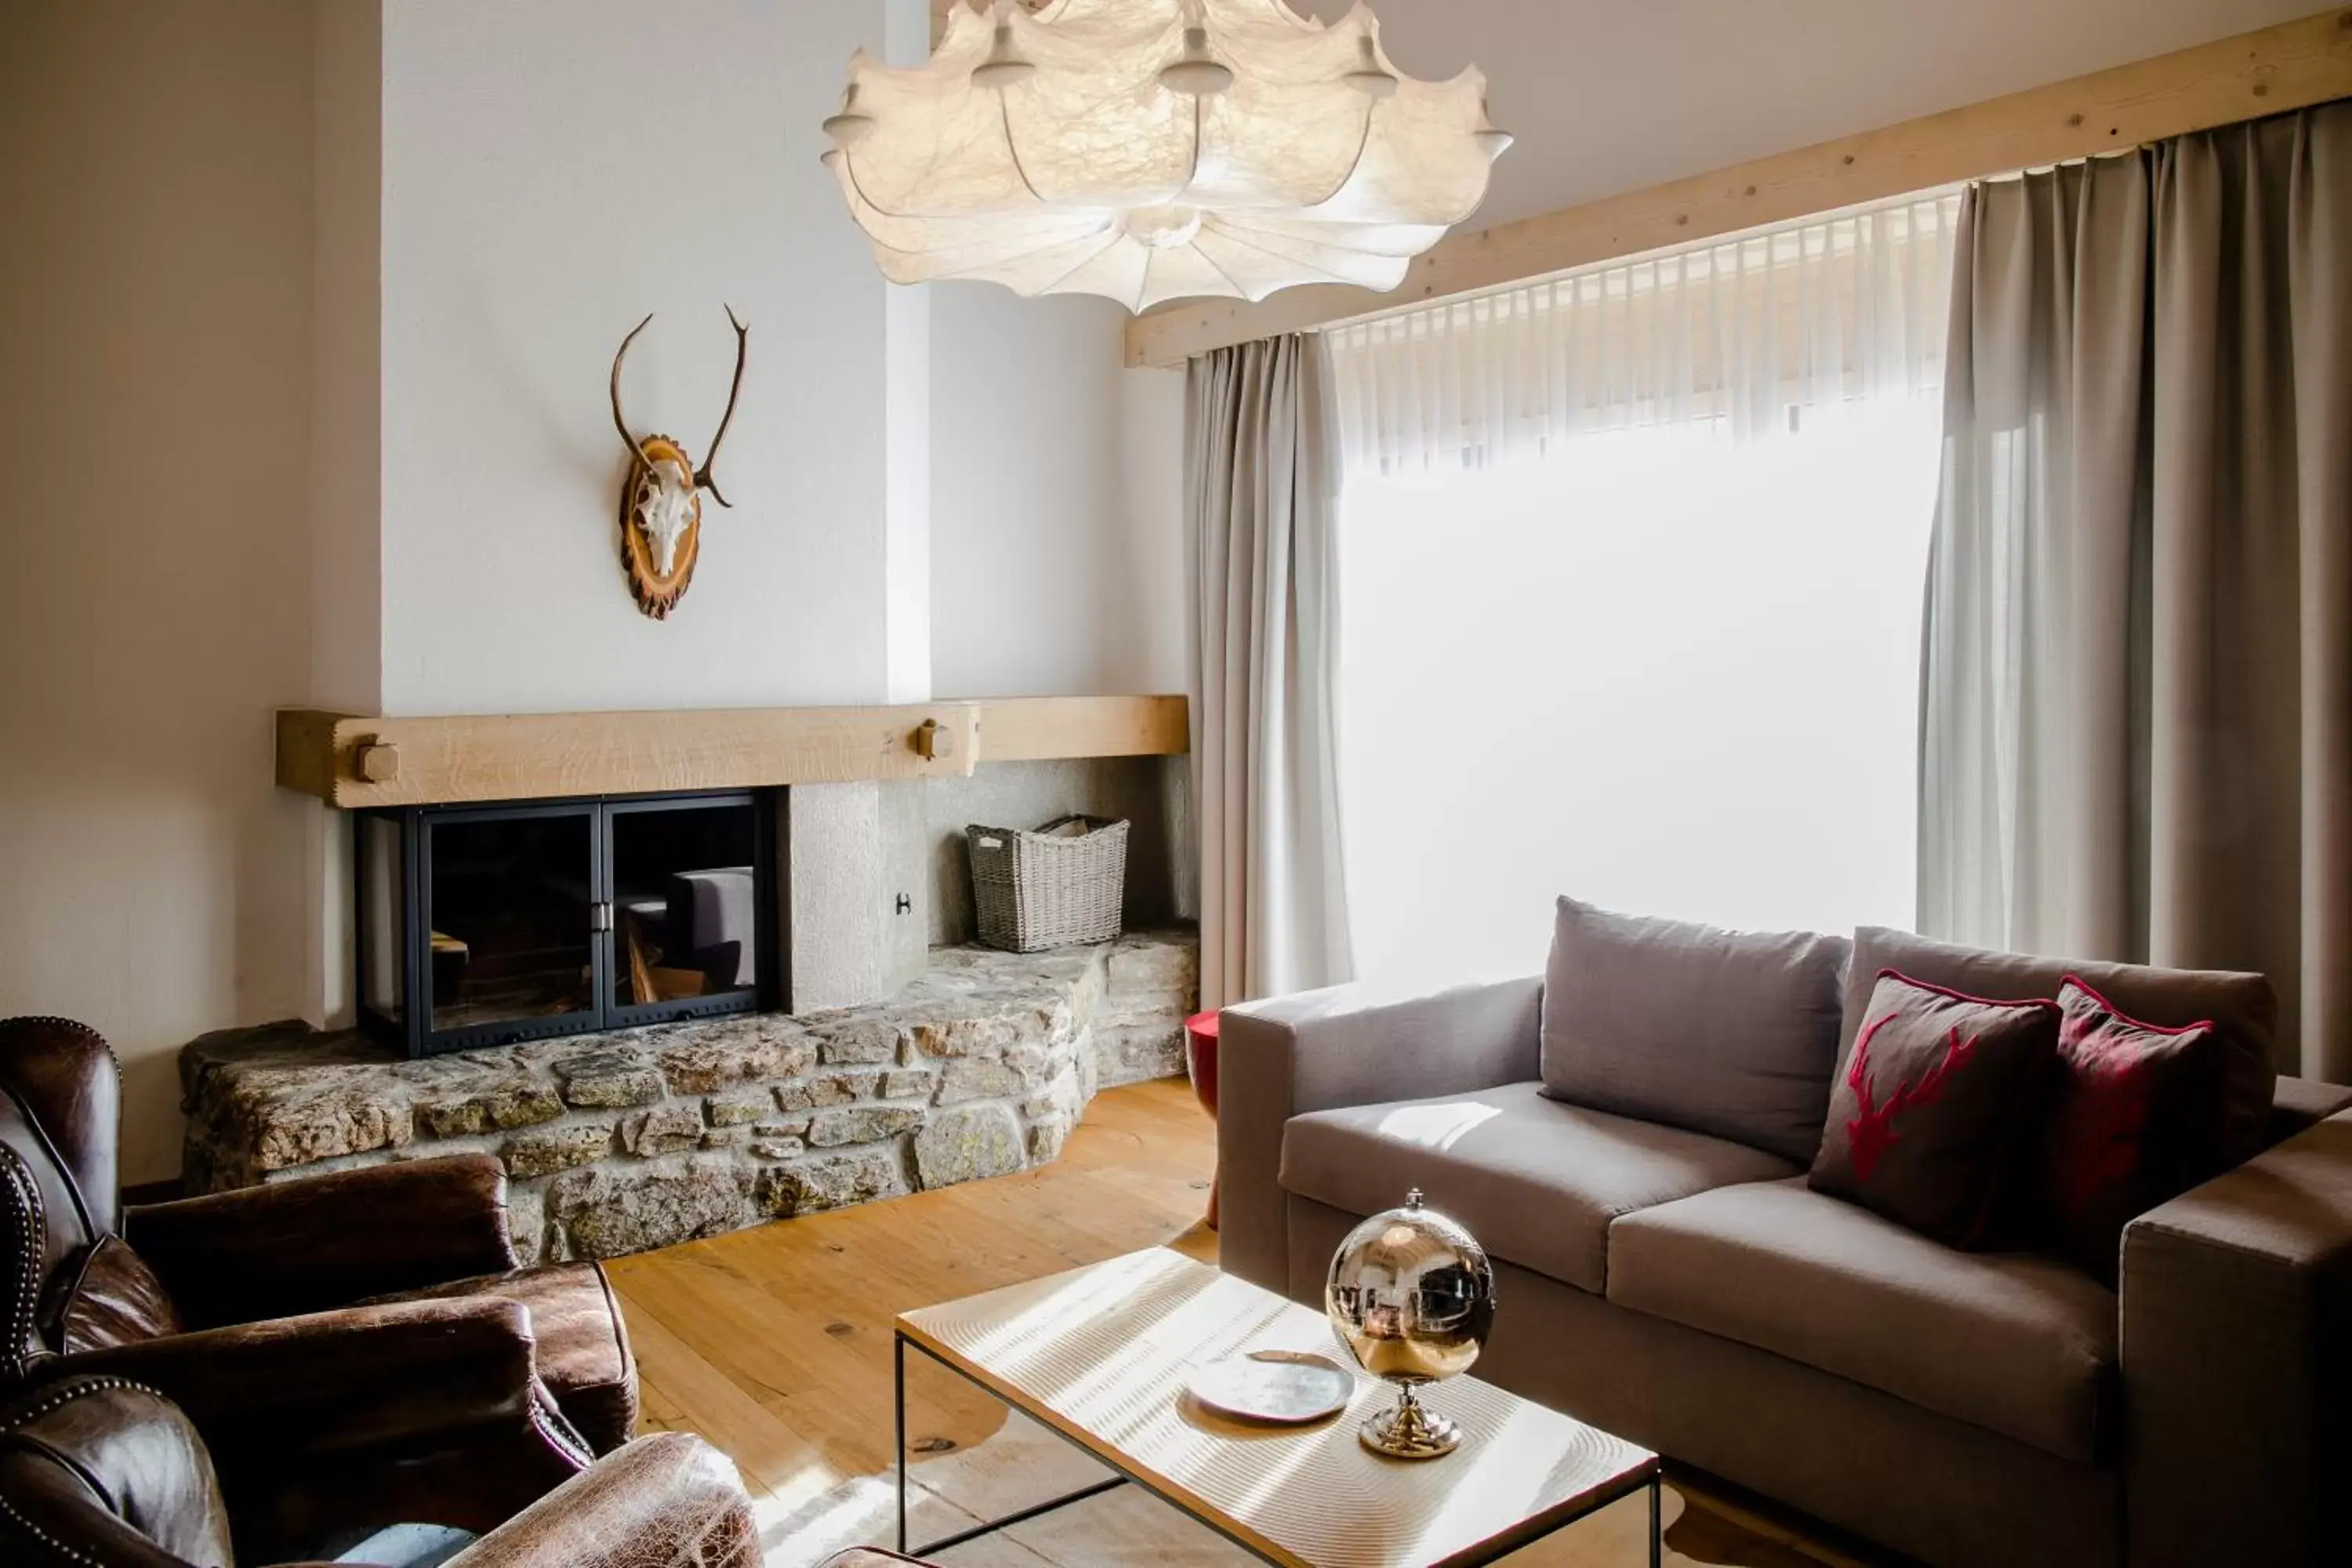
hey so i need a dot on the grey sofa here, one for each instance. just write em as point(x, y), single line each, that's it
point(1695, 1296)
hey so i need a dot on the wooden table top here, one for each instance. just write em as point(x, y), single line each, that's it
point(1102, 1354)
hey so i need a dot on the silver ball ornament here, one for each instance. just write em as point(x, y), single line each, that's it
point(1412, 1295)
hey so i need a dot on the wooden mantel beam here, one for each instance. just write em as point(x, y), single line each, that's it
point(1042, 729)
point(2271, 71)
point(353, 762)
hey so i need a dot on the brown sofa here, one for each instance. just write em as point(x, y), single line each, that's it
point(99, 1472)
point(351, 1344)
point(1695, 1295)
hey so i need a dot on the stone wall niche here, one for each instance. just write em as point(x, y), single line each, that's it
point(854, 917)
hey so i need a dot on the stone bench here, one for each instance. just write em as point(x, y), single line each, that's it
point(620, 1143)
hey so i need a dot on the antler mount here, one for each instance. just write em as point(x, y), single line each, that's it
point(661, 495)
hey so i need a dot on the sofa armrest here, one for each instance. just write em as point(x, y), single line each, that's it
point(395, 1377)
point(668, 1498)
point(2237, 1360)
point(1349, 1044)
point(306, 1245)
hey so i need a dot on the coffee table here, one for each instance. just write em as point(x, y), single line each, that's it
point(1101, 1355)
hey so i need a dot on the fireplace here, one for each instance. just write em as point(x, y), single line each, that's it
point(489, 925)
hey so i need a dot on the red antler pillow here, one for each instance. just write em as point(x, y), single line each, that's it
point(2140, 1116)
point(1933, 1104)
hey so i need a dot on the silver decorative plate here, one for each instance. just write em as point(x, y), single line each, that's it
point(1290, 1387)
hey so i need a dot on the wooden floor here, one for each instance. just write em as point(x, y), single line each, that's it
point(774, 1343)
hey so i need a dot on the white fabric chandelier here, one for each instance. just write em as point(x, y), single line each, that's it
point(1151, 150)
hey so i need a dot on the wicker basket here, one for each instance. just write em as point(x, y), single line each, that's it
point(1049, 888)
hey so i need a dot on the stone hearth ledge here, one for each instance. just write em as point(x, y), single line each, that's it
point(637, 1139)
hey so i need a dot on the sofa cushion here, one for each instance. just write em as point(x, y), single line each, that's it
point(1536, 1181)
point(2300, 1104)
point(2242, 1006)
point(1729, 1033)
point(2137, 1118)
point(1933, 1119)
point(2022, 1345)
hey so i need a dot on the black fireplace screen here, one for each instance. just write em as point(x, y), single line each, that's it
point(487, 925)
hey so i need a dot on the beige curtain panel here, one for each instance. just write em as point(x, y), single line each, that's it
point(1261, 482)
point(2137, 687)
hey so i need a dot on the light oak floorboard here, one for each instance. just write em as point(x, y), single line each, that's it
point(774, 1343)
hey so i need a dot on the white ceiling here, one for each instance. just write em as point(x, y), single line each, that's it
point(1613, 95)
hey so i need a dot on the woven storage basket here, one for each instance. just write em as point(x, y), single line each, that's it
point(1048, 888)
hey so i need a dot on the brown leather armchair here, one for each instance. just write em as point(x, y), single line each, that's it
point(366, 1333)
point(99, 1472)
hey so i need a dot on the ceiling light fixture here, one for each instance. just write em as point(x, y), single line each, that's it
point(1153, 150)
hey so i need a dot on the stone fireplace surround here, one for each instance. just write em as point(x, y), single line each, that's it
point(638, 1139)
point(905, 1058)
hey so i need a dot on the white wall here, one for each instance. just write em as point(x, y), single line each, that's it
point(346, 432)
point(155, 273)
point(551, 173)
point(907, 433)
point(522, 165)
point(1151, 515)
point(1041, 584)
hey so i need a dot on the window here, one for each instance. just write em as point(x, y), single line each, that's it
point(1662, 655)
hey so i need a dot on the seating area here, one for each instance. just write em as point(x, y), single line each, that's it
point(351, 1365)
point(1082, 783)
point(1726, 1310)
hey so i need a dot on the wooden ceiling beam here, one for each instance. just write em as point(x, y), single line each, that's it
point(2270, 72)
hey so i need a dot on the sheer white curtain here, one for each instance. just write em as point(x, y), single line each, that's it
point(1630, 576)
point(1732, 335)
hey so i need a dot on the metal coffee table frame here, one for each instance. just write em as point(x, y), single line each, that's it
point(1650, 1479)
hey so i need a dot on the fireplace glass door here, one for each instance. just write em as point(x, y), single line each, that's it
point(510, 898)
point(487, 925)
point(686, 903)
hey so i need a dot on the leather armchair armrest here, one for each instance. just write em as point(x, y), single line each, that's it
point(410, 1375)
point(669, 1498)
point(1349, 1045)
point(2236, 1356)
point(326, 1241)
point(95, 1470)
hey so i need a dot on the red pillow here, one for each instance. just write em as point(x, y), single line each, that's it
point(1937, 1099)
point(2140, 1115)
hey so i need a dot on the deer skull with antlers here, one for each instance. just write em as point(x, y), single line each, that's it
point(661, 499)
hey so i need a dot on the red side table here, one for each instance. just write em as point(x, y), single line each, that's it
point(1200, 1062)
